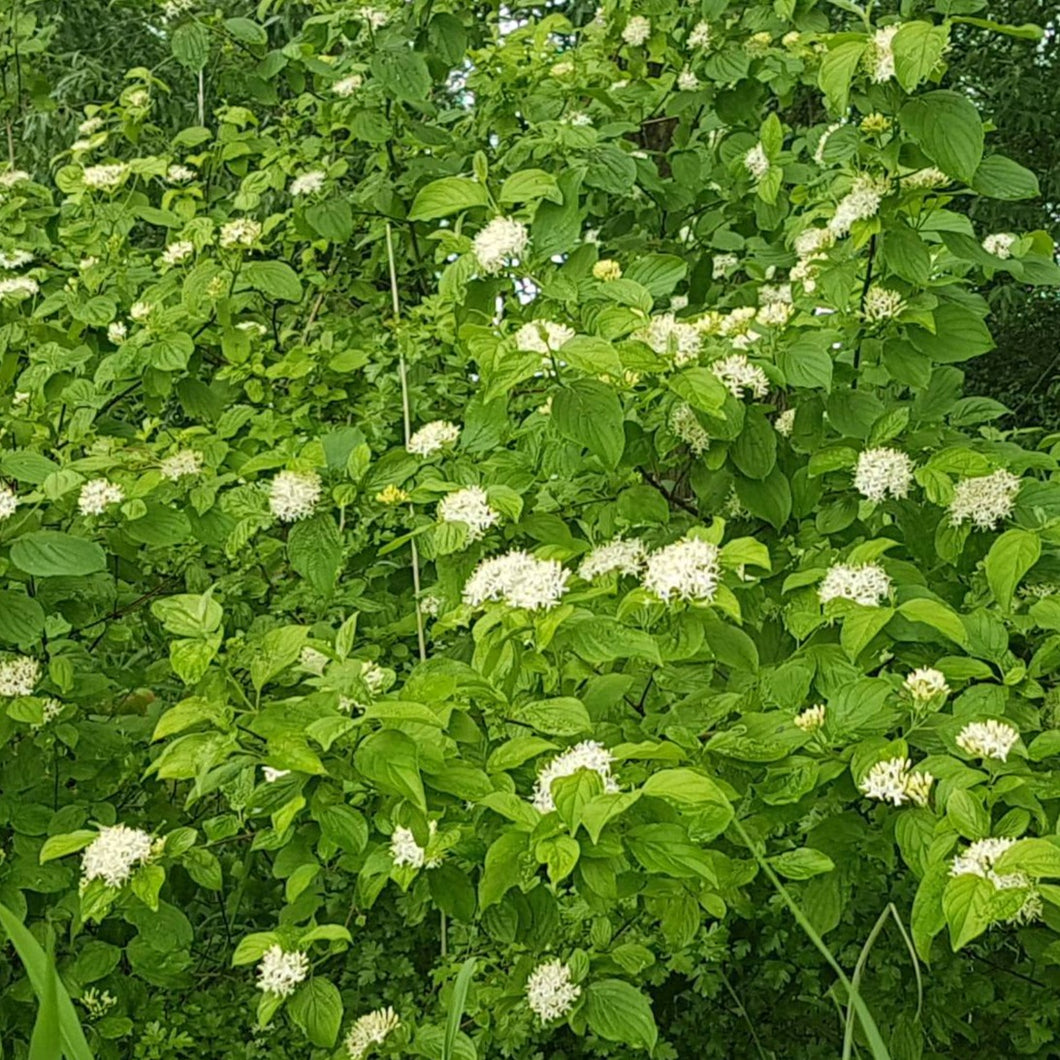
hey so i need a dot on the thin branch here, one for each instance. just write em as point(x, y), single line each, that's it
point(668, 494)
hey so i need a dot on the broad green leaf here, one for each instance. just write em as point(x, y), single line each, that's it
point(590, 414)
point(53, 554)
point(444, 197)
point(1009, 559)
point(619, 1012)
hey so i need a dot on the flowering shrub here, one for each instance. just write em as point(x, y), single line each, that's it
point(496, 494)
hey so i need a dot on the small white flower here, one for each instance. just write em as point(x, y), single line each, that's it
point(177, 174)
point(502, 240)
point(812, 718)
point(979, 858)
point(8, 502)
point(984, 501)
point(881, 303)
point(105, 176)
point(346, 87)
point(670, 337)
point(894, 781)
point(756, 162)
point(685, 425)
point(988, 739)
point(433, 437)
point(375, 678)
point(882, 473)
point(89, 125)
point(180, 464)
point(242, 232)
point(686, 570)
point(407, 852)
point(863, 583)
point(542, 336)
point(881, 53)
point(550, 993)
point(1000, 244)
point(177, 252)
point(586, 755)
point(16, 259)
point(114, 854)
point(87, 263)
point(371, 1029)
point(926, 684)
point(280, 972)
point(700, 35)
point(775, 314)
point(271, 775)
point(11, 177)
point(637, 30)
point(97, 495)
point(785, 423)
point(687, 80)
point(140, 311)
point(50, 710)
point(17, 288)
point(927, 178)
point(307, 183)
point(376, 17)
point(739, 376)
point(860, 203)
point(294, 494)
point(518, 580)
point(117, 332)
point(618, 556)
point(471, 507)
point(19, 676)
point(723, 264)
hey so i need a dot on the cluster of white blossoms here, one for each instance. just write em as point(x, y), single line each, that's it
point(307, 183)
point(281, 971)
point(17, 288)
point(550, 993)
point(97, 495)
point(926, 179)
point(684, 425)
point(433, 437)
point(616, 557)
point(8, 502)
point(407, 852)
point(881, 303)
point(294, 494)
point(686, 570)
point(11, 177)
point(370, 1030)
point(894, 781)
point(471, 507)
point(882, 473)
point(347, 86)
point(880, 56)
point(177, 252)
point(178, 174)
point(811, 245)
point(1000, 244)
point(637, 30)
point(114, 854)
point(49, 711)
point(117, 332)
point(586, 755)
point(785, 423)
point(687, 80)
point(19, 676)
point(723, 264)
point(376, 17)
point(97, 1003)
point(104, 176)
point(518, 580)
point(542, 336)
point(926, 685)
point(700, 36)
point(988, 739)
point(140, 311)
point(984, 501)
point(670, 337)
point(756, 162)
point(502, 240)
point(608, 270)
point(375, 678)
point(980, 859)
point(860, 203)
point(812, 718)
point(242, 232)
point(863, 583)
point(181, 464)
point(16, 259)
point(738, 374)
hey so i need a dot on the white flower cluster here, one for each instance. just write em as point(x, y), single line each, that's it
point(178, 174)
point(785, 423)
point(117, 332)
point(49, 711)
point(980, 859)
point(984, 501)
point(756, 162)
point(542, 336)
point(988, 739)
point(637, 30)
point(307, 183)
point(687, 80)
point(550, 993)
point(723, 264)
point(1000, 244)
point(369, 1030)
point(670, 337)
point(294, 494)
point(700, 35)
point(864, 583)
point(502, 240)
point(16, 259)
point(618, 556)
point(894, 781)
point(376, 17)
point(375, 678)
point(686, 570)
point(860, 203)
point(775, 314)
point(19, 676)
point(684, 425)
point(114, 854)
point(97, 495)
point(471, 507)
point(407, 852)
point(881, 53)
point(242, 232)
point(140, 311)
point(180, 464)
point(8, 502)
point(812, 718)
point(17, 288)
point(105, 176)
point(811, 245)
point(881, 303)
point(280, 972)
point(346, 86)
point(11, 177)
point(177, 252)
point(926, 179)
point(883, 472)
point(739, 376)
point(433, 437)
point(518, 580)
point(586, 755)
point(926, 684)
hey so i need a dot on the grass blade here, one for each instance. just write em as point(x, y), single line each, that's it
point(46, 1043)
point(456, 1008)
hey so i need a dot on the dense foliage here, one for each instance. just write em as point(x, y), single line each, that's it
point(497, 557)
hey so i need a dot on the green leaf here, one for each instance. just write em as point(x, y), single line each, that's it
point(593, 355)
point(947, 126)
point(918, 47)
point(528, 185)
point(959, 335)
point(331, 219)
point(768, 499)
point(243, 29)
point(589, 413)
point(802, 864)
point(966, 906)
point(837, 71)
point(659, 273)
point(444, 197)
point(1036, 857)
point(755, 450)
point(190, 44)
point(619, 1012)
point(401, 73)
point(808, 360)
point(685, 787)
point(389, 760)
point(21, 618)
point(58, 846)
point(501, 868)
point(316, 1007)
point(275, 279)
point(457, 1004)
point(1009, 559)
point(1001, 178)
point(564, 716)
point(600, 639)
point(936, 614)
point(188, 614)
point(53, 554)
point(314, 548)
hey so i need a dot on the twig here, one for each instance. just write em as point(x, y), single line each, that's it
point(671, 497)
point(861, 305)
